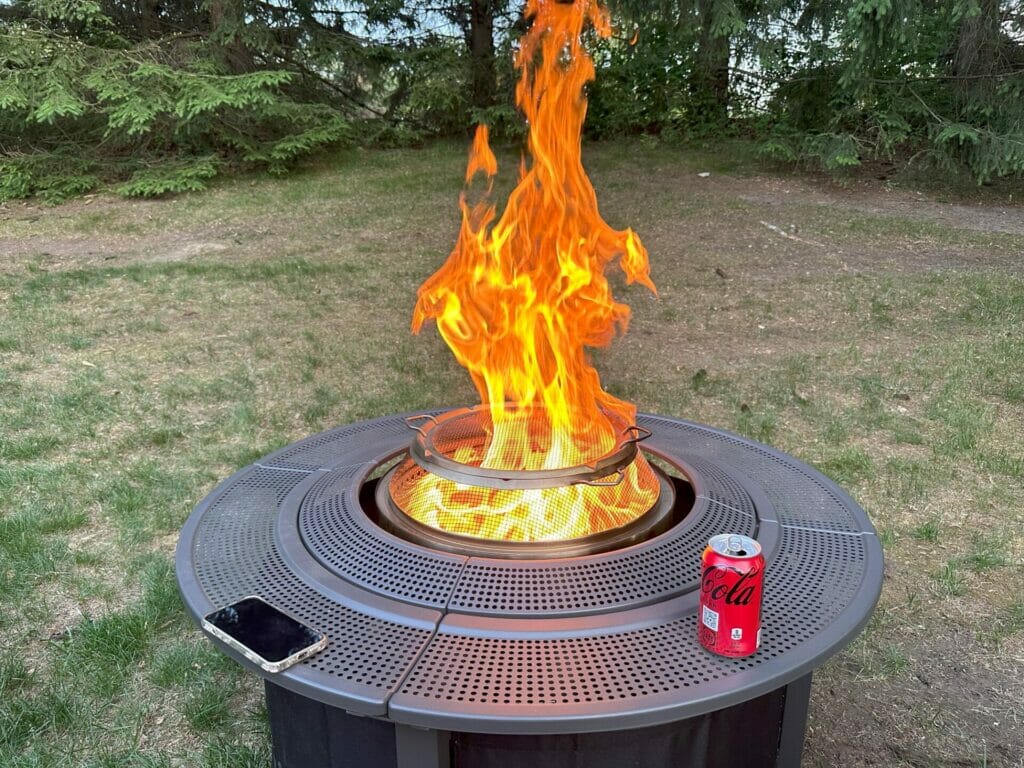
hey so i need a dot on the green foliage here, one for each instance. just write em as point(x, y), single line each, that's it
point(153, 99)
point(162, 180)
point(833, 151)
point(642, 86)
point(160, 116)
point(942, 83)
point(436, 89)
point(502, 119)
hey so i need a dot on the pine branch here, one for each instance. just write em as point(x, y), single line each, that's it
point(348, 96)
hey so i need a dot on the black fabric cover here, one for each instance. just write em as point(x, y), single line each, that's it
point(743, 736)
point(308, 734)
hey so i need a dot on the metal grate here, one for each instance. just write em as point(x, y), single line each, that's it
point(236, 555)
point(323, 450)
point(670, 565)
point(815, 576)
point(580, 671)
point(525, 437)
point(549, 514)
point(236, 533)
point(721, 486)
point(800, 495)
point(816, 579)
point(351, 546)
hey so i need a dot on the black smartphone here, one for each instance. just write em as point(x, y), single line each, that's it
point(264, 633)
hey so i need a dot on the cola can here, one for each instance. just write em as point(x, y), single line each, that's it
point(731, 584)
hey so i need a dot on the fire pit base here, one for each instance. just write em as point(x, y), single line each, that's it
point(758, 733)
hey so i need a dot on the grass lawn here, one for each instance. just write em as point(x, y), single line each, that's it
point(148, 349)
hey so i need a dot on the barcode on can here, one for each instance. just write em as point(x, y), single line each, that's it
point(709, 618)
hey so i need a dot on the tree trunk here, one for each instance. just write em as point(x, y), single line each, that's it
point(976, 58)
point(226, 26)
point(481, 51)
point(709, 79)
point(149, 23)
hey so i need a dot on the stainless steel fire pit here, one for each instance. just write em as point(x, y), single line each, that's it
point(438, 658)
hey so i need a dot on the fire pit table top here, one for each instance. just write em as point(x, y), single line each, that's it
point(595, 643)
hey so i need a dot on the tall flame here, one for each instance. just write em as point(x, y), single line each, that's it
point(522, 296)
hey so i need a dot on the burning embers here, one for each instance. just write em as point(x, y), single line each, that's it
point(519, 300)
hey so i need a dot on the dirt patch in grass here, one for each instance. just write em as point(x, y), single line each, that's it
point(883, 201)
point(785, 224)
point(948, 707)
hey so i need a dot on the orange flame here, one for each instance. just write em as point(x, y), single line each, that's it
point(522, 296)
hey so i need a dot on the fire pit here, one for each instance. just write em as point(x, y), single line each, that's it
point(443, 659)
point(515, 586)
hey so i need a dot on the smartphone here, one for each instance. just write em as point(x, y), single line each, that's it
point(264, 634)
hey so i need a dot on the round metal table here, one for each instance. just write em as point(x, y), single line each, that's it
point(430, 643)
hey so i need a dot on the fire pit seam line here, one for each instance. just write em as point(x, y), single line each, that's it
point(730, 507)
point(411, 667)
point(827, 530)
point(288, 469)
point(780, 458)
point(463, 566)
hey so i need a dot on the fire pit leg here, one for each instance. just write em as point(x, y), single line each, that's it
point(422, 748)
point(306, 732)
point(794, 722)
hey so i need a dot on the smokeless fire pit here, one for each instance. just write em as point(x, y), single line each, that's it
point(576, 653)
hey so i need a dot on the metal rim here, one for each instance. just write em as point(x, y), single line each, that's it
point(654, 521)
point(735, 546)
point(603, 471)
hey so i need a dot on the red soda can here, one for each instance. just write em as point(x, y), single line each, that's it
point(730, 595)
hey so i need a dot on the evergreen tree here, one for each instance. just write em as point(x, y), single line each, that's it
point(159, 96)
point(935, 80)
point(85, 98)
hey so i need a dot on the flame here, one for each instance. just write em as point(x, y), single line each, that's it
point(523, 295)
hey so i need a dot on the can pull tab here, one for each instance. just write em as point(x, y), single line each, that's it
point(735, 544)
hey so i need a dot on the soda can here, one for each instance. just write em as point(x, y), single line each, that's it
point(732, 579)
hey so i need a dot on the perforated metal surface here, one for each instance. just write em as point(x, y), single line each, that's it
point(355, 442)
point(235, 554)
point(800, 495)
point(495, 672)
point(667, 566)
point(338, 533)
point(584, 644)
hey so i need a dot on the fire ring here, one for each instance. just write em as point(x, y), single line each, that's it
point(444, 659)
point(657, 519)
point(439, 437)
